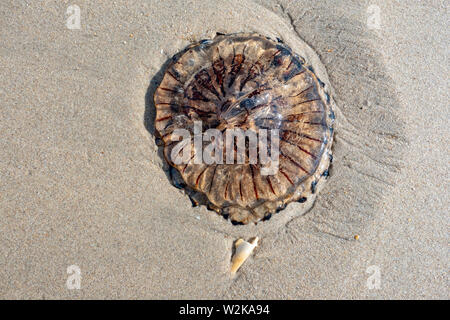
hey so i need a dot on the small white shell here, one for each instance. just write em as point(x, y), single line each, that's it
point(243, 251)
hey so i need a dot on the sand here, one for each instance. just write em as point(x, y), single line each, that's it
point(81, 181)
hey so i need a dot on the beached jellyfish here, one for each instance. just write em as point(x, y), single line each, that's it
point(216, 90)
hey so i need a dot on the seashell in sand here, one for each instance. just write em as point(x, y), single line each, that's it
point(243, 251)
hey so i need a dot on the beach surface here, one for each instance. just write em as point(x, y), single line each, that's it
point(84, 190)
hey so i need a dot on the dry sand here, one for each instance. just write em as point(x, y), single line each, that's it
point(81, 182)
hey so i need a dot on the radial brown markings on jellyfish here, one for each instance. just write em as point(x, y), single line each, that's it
point(172, 75)
point(300, 148)
point(212, 179)
point(298, 116)
point(225, 196)
point(270, 185)
point(302, 135)
point(251, 74)
point(198, 110)
point(219, 71)
point(195, 94)
point(262, 70)
point(306, 101)
point(169, 90)
point(254, 183)
point(294, 162)
point(238, 60)
point(240, 190)
point(304, 90)
point(163, 118)
point(204, 80)
point(286, 176)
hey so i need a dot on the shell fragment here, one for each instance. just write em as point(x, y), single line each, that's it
point(243, 251)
